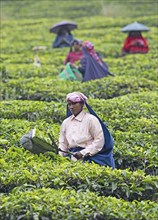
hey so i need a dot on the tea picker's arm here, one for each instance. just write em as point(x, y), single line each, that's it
point(67, 152)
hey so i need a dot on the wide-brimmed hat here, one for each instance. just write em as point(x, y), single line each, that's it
point(136, 26)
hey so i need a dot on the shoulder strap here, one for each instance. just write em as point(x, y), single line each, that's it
point(109, 143)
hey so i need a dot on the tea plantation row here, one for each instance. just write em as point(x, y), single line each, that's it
point(34, 170)
point(48, 186)
point(48, 89)
point(48, 204)
point(131, 119)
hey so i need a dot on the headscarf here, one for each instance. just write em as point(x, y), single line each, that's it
point(87, 45)
point(76, 97)
point(75, 41)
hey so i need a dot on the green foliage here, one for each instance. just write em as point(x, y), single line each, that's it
point(35, 170)
point(43, 88)
point(48, 186)
point(68, 204)
point(74, 9)
point(32, 111)
point(12, 130)
point(131, 120)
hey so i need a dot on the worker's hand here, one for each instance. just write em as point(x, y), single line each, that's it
point(78, 155)
point(73, 65)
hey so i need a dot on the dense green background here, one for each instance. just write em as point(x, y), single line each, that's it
point(48, 186)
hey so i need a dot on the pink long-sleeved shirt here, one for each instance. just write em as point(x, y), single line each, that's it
point(85, 131)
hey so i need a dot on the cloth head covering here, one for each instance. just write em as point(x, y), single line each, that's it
point(89, 46)
point(75, 41)
point(76, 97)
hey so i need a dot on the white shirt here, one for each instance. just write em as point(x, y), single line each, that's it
point(84, 131)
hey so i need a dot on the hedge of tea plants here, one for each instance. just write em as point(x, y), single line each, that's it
point(66, 204)
point(48, 186)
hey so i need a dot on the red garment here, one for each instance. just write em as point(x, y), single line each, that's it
point(73, 56)
point(135, 45)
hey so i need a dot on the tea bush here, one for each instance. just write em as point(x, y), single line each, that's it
point(69, 204)
point(48, 186)
point(36, 171)
point(43, 88)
